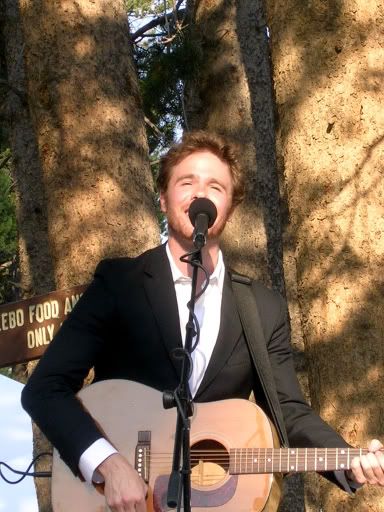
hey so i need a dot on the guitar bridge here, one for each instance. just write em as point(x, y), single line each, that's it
point(143, 453)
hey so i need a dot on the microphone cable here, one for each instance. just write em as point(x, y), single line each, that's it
point(37, 474)
point(188, 258)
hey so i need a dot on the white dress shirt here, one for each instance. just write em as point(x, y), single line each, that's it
point(208, 313)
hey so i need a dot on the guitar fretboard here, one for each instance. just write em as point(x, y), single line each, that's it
point(287, 460)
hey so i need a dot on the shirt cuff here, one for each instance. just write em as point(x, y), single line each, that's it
point(93, 456)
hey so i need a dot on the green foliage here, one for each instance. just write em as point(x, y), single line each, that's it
point(8, 231)
point(141, 8)
point(163, 69)
point(7, 372)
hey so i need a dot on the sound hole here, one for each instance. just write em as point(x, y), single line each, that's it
point(209, 462)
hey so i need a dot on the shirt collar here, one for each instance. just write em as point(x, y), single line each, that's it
point(178, 276)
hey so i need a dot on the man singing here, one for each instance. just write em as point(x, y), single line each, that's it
point(133, 315)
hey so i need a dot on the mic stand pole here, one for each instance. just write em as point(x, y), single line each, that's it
point(180, 479)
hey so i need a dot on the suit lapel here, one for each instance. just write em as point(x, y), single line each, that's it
point(229, 333)
point(161, 294)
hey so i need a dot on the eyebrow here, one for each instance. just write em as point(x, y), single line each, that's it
point(186, 177)
point(214, 180)
point(191, 175)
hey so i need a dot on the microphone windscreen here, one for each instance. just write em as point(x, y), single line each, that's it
point(205, 206)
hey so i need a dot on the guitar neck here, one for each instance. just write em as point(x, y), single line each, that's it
point(288, 460)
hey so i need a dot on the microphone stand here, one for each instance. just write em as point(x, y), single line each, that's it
point(179, 485)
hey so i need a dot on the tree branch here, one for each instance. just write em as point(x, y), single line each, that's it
point(160, 20)
point(153, 126)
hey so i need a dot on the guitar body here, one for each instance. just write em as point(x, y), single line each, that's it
point(124, 409)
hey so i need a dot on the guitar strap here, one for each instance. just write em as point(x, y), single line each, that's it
point(254, 335)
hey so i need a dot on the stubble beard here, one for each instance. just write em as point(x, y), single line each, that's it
point(184, 235)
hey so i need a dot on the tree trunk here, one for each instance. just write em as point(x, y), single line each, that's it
point(87, 191)
point(327, 67)
point(232, 94)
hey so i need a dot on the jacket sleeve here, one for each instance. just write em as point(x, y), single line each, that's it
point(49, 396)
point(304, 426)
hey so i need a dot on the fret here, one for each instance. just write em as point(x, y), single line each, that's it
point(320, 459)
point(297, 459)
point(280, 460)
point(326, 460)
point(305, 460)
point(286, 460)
point(288, 453)
point(341, 459)
point(292, 453)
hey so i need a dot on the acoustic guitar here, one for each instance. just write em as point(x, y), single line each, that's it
point(234, 453)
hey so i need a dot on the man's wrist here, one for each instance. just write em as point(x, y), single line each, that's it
point(108, 465)
point(92, 457)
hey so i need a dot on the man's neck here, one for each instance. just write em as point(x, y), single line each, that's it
point(210, 255)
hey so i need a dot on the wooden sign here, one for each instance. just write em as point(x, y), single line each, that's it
point(27, 327)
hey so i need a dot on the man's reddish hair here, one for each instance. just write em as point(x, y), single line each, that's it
point(193, 142)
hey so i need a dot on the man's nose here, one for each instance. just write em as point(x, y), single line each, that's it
point(200, 191)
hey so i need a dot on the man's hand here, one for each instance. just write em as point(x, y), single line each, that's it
point(124, 489)
point(369, 468)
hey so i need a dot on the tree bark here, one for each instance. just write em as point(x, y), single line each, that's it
point(327, 68)
point(232, 94)
point(81, 159)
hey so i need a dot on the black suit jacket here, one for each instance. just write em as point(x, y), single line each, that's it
point(126, 325)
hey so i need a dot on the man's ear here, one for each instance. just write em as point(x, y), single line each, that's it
point(163, 203)
point(230, 213)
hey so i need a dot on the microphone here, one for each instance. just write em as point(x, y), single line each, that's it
point(202, 213)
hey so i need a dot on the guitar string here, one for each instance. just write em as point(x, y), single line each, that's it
point(275, 452)
point(301, 459)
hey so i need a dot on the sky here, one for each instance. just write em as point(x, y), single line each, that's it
point(15, 449)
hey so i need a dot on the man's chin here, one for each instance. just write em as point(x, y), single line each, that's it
point(184, 238)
